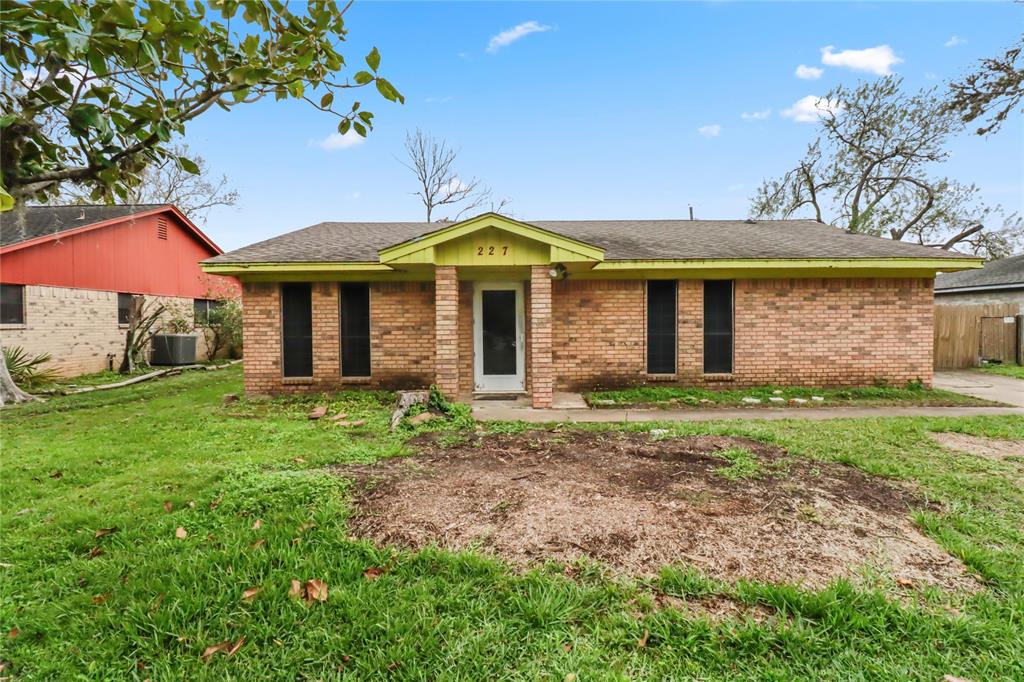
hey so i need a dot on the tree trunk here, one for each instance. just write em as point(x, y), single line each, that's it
point(9, 391)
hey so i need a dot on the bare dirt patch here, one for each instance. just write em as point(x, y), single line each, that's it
point(989, 448)
point(638, 503)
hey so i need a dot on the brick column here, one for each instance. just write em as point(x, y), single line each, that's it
point(446, 330)
point(541, 371)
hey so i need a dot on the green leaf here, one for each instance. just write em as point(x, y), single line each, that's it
point(6, 200)
point(188, 165)
point(327, 100)
point(373, 59)
point(8, 120)
point(363, 77)
point(344, 126)
point(360, 128)
point(387, 90)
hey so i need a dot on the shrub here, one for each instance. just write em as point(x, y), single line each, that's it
point(28, 371)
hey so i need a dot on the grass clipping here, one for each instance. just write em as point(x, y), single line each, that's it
point(734, 508)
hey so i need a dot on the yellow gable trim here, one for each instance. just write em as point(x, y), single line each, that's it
point(430, 247)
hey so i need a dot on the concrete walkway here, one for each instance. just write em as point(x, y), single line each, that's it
point(570, 407)
point(982, 385)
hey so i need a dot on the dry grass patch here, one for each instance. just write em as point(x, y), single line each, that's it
point(733, 507)
point(989, 448)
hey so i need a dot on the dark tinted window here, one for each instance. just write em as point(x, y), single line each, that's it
point(202, 308)
point(355, 330)
point(12, 304)
point(124, 306)
point(498, 329)
point(718, 327)
point(661, 327)
point(297, 329)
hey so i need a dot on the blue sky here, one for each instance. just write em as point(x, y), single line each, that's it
point(609, 110)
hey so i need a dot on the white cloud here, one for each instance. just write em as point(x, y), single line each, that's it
point(877, 60)
point(811, 108)
point(336, 141)
point(756, 115)
point(954, 41)
point(713, 130)
point(809, 73)
point(511, 35)
point(453, 186)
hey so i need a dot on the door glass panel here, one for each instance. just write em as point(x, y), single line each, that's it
point(499, 331)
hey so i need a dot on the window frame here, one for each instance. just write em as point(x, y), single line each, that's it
point(127, 311)
point(342, 335)
point(209, 304)
point(281, 328)
point(731, 334)
point(21, 306)
point(675, 328)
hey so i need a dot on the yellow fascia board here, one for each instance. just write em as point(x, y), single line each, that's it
point(241, 269)
point(399, 252)
point(786, 266)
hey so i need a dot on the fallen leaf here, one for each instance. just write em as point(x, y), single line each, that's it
point(216, 503)
point(296, 589)
point(316, 590)
point(259, 543)
point(571, 677)
point(567, 647)
point(191, 504)
point(168, 506)
point(95, 552)
point(57, 474)
point(374, 572)
point(954, 678)
point(306, 526)
point(157, 602)
point(236, 646)
point(257, 524)
point(104, 532)
point(181, 533)
point(100, 598)
point(298, 460)
point(251, 593)
point(340, 415)
point(904, 582)
point(296, 541)
point(211, 650)
point(394, 665)
point(642, 642)
point(318, 412)
point(13, 633)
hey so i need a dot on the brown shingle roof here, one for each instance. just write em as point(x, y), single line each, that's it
point(998, 273)
point(621, 240)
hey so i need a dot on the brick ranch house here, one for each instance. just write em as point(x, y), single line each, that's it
point(68, 274)
point(495, 305)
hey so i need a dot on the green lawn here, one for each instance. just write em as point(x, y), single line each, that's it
point(875, 396)
point(1015, 371)
point(147, 604)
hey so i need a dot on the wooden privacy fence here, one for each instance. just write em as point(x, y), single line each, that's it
point(966, 334)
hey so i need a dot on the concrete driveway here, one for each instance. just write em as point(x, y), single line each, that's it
point(982, 385)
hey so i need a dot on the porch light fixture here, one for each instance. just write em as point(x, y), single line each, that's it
point(557, 271)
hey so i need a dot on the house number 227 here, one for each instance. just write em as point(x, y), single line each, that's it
point(491, 250)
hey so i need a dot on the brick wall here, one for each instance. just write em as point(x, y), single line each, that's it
point(598, 333)
point(78, 327)
point(811, 331)
point(401, 338)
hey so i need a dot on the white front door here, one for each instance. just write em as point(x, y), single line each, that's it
point(499, 339)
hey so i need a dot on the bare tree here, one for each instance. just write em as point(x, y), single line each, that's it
point(994, 90)
point(433, 162)
point(870, 169)
point(166, 182)
point(142, 318)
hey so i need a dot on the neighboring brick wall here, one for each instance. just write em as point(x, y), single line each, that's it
point(78, 327)
point(831, 332)
point(598, 333)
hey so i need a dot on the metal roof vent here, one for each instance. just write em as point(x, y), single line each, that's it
point(161, 228)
